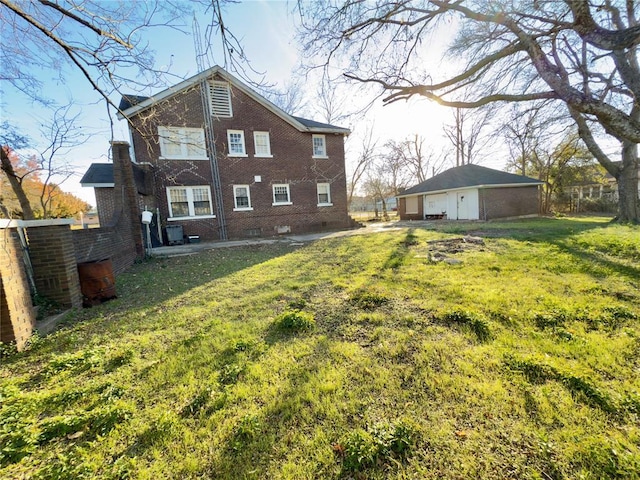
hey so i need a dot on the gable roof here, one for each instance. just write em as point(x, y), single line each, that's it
point(467, 176)
point(134, 104)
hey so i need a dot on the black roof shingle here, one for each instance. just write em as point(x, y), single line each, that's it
point(98, 174)
point(469, 176)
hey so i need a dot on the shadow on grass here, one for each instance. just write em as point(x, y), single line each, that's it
point(536, 229)
point(553, 231)
point(593, 263)
point(144, 287)
point(399, 254)
point(258, 438)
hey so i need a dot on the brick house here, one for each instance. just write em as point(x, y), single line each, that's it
point(471, 192)
point(225, 162)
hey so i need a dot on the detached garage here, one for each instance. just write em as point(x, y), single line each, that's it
point(471, 192)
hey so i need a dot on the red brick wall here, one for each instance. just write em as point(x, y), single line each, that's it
point(508, 202)
point(292, 164)
point(17, 316)
point(53, 258)
point(112, 243)
point(402, 207)
point(105, 204)
point(120, 236)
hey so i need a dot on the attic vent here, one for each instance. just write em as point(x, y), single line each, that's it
point(220, 99)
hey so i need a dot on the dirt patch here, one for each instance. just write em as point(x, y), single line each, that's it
point(441, 250)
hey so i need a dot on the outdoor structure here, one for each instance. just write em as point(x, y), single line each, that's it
point(226, 163)
point(594, 194)
point(471, 192)
point(46, 258)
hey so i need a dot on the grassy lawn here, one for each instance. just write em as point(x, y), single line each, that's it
point(405, 354)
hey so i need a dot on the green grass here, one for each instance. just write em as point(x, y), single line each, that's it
point(358, 357)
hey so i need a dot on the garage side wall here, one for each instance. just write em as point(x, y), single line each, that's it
point(509, 202)
point(402, 209)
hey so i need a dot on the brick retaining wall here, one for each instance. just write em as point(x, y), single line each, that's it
point(17, 315)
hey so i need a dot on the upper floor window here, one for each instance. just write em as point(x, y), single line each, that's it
point(242, 197)
point(262, 144)
point(182, 143)
point(220, 99)
point(324, 195)
point(236, 143)
point(319, 146)
point(281, 195)
point(189, 202)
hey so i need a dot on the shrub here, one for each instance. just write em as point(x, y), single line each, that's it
point(245, 432)
point(295, 321)
point(230, 373)
point(381, 443)
point(368, 300)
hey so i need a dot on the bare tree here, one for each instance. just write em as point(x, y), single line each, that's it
point(48, 168)
point(469, 134)
point(365, 159)
point(578, 53)
point(291, 97)
point(419, 161)
point(523, 133)
point(101, 40)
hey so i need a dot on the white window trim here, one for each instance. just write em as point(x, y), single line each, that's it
point(273, 193)
point(235, 205)
point(324, 141)
point(244, 144)
point(329, 203)
point(192, 215)
point(255, 145)
point(164, 132)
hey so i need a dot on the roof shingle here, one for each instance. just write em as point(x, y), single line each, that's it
point(469, 176)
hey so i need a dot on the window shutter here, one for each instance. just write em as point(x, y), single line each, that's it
point(220, 99)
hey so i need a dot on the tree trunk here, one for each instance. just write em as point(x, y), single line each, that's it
point(627, 178)
point(385, 214)
point(16, 186)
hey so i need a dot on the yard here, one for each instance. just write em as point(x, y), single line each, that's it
point(403, 354)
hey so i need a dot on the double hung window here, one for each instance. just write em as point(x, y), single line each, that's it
point(182, 143)
point(319, 146)
point(281, 194)
point(324, 195)
point(261, 141)
point(242, 197)
point(189, 202)
point(236, 143)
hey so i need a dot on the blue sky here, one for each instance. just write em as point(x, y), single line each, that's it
point(266, 30)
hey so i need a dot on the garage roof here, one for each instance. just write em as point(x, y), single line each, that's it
point(470, 176)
